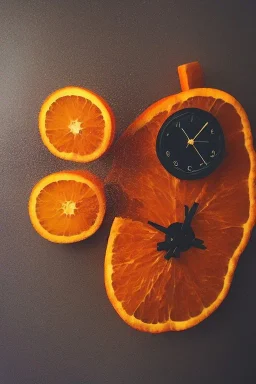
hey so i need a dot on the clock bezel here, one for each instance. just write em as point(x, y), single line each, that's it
point(200, 173)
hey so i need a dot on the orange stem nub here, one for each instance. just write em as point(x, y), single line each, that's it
point(191, 76)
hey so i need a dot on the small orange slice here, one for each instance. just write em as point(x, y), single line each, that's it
point(68, 206)
point(76, 124)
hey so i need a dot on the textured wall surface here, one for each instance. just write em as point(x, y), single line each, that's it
point(57, 326)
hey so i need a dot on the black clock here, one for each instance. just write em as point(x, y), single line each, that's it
point(190, 144)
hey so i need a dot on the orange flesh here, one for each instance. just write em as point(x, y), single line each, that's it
point(161, 290)
point(67, 207)
point(80, 123)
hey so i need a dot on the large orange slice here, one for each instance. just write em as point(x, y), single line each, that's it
point(68, 206)
point(76, 124)
point(150, 293)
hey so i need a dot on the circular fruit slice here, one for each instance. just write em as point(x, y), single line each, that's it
point(149, 292)
point(76, 124)
point(67, 206)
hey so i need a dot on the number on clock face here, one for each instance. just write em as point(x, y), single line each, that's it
point(190, 144)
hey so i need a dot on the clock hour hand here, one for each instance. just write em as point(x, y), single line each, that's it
point(159, 227)
point(189, 214)
point(163, 246)
point(185, 133)
point(186, 137)
point(197, 243)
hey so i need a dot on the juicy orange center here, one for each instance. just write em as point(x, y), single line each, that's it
point(75, 127)
point(69, 207)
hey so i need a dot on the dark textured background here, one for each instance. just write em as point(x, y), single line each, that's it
point(57, 326)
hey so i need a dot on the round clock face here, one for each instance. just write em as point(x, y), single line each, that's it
point(190, 144)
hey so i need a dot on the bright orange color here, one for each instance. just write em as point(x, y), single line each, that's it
point(67, 206)
point(76, 124)
point(191, 76)
point(150, 293)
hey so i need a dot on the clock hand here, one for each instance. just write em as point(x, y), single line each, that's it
point(185, 133)
point(201, 130)
point(200, 155)
point(186, 137)
point(189, 214)
point(200, 141)
point(159, 227)
point(197, 243)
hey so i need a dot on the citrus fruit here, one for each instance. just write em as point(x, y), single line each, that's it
point(67, 206)
point(76, 124)
point(151, 293)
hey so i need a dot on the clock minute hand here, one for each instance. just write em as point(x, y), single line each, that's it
point(201, 130)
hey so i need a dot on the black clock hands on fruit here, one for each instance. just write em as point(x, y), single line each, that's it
point(190, 144)
point(179, 237)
